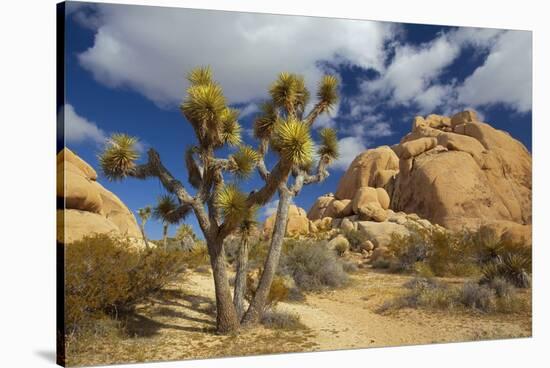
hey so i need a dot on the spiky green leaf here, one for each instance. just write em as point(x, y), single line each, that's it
point(329, 144)
point(145, 213)
point(244, 161)
point(184, 231)
point(230, 129)
point(292, 140)
point(232, 203)
point(328, 92)
point(200, 75)
point(168, 211)
point(119, 156)
point(205, 103)
point(265, 123)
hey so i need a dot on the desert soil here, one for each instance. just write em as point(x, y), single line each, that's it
point(179, 324)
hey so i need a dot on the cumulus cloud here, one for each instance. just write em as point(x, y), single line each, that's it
point(505, 77)
point(412, 77)
point(413, 68)
point(149, 49)
point(79, 129)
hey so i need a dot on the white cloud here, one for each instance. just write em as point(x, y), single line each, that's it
point(413, 68)
point(79, 129)
point(349, 148)
point(149, 49)
point(506, 75)
point(248, 109)
point(411, 79)
point(379, 130)
point(432, 97)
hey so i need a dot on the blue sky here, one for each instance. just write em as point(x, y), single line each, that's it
point(126, 67)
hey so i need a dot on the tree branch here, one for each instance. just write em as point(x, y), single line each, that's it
point(317, 110)
point(303, 178)
point(262, 169)
point(155, 168)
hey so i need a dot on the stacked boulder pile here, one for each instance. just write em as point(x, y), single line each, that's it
point(448, 173)
point(88, 207)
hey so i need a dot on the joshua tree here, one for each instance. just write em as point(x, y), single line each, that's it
point(186, 236)
point(219, 207)
point(289, 97)
point(247, 225)
point(167, 212)
point(144, 214)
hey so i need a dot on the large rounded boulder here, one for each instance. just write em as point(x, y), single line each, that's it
point(89, 207)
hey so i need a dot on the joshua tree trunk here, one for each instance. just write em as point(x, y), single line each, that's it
point(226, 316)
point(257, 306)
point(165, 235)
point(142, 227)
point(240, 278)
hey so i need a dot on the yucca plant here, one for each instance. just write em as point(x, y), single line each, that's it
point(221, 208)
point(119, 156)
point(167, 211)
point(144, 215)
point(186, 236)
point(282, 125)
point(244, 161)
point(515, 268)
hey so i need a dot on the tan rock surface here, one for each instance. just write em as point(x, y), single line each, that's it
point(297, 223)
point(478, 174)
point(368, 170)
point(380, 233)
point(90, 208)
point(73, 225)
point(317, 211)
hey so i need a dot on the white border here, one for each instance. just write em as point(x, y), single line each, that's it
point(28, 179)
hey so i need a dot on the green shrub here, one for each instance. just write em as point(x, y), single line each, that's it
point(443, 253)
point(501, 287)
point(479, 297)
point(514, 268)
point(355, 238)
point(282, 321)
point(278, 292)
point(404, 251)
point(312, 265)
point(381, 263)
point(197, 258)
point(106, 276)
point(498, 296)
point(341, 248)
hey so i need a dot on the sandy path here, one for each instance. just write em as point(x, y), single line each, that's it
point(346, 318)
point(179, 324)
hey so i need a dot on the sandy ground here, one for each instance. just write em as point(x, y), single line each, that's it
point(179, 324)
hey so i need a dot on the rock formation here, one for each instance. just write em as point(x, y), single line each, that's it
point(456, 172)
point(469, 174)
point(298, 223)
point(89, 207)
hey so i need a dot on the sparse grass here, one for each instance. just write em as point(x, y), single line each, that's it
point(312, 266)
point(355, 238)
point(197, 257)
point(497, 297)
point(429, 253)
point(282, 321)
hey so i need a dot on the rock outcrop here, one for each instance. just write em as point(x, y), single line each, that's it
point(471, 175)
point(298, 223)
point(89, 207)
point(453, 172)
